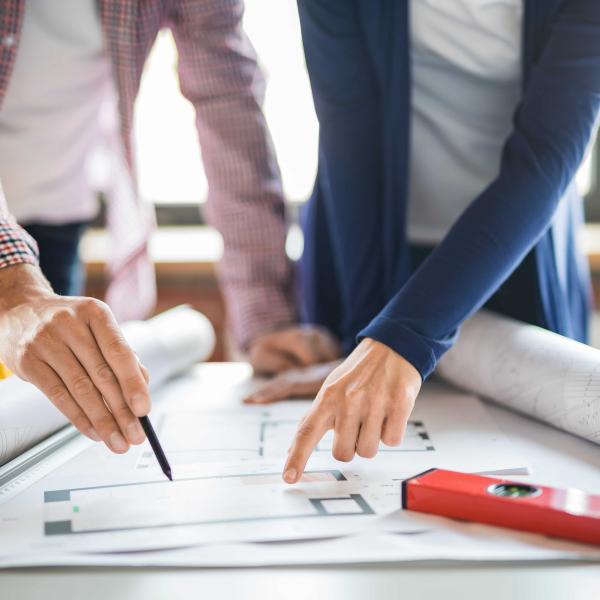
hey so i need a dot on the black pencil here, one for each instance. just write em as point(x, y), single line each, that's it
point(156, 447)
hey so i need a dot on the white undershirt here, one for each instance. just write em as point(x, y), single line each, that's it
point(466, 82)
point(49, 117)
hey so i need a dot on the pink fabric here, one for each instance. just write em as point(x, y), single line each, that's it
point(131, 293)
point(220, 77)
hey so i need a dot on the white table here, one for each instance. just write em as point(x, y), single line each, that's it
point(554, 457)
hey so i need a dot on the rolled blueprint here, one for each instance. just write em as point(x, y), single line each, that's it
point(167, 344)
point(528, 369)
point(171, 342)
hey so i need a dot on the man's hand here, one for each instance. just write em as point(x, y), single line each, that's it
point(368, 398)
point(295, 383)
point(293, 347)
point(73, 351)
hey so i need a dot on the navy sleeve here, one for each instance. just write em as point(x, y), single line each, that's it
point(552, 128)
point(347, 102)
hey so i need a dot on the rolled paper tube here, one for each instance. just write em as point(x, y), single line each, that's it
point(530, 370)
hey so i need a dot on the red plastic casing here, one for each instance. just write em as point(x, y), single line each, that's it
point(563, 513)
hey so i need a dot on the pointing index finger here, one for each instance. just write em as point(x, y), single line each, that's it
point(309, 433)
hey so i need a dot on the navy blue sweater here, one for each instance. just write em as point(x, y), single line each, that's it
point(356, 274)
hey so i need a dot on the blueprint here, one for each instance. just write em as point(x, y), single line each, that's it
point(528, 369)
point(208, 503)
point(197, 424)
point(96, 501)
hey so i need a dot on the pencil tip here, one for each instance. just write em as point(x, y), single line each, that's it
point(168, 474)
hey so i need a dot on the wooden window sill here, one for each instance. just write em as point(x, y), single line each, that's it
point(194, 251)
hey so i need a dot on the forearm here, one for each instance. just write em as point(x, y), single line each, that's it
point(552, 129)
point(19, 284)
point(245, 203)
point(219, 75)
point(482, 249)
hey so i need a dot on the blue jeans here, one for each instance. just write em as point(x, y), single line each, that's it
point(59, 255)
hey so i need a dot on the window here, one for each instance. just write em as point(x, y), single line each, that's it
point(170, 172)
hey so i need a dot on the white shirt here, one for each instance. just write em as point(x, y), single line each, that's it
point(49, 117)
point(466, 84)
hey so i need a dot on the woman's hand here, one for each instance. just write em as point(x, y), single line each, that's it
point(295, 383)
point(368, 398)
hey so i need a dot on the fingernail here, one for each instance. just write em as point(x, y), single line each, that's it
point(290, 476)
point(140, 405)
point(135, 433)
point(117, 442)
point(91, 433)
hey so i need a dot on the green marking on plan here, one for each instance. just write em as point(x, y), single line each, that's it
point(76, 509)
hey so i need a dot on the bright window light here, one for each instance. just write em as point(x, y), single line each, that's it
point(169, 164)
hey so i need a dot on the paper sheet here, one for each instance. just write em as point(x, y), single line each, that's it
point(528, 369)
point(214, 502)
point(355, 508)
point(388, 535)
point(101, 502)
point(446, 543)
point(210, 503)
point(447, 429)
point(166, 344)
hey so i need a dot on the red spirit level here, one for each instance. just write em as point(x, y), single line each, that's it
point(565, 513)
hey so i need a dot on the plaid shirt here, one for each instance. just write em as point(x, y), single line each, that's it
point(219, 75)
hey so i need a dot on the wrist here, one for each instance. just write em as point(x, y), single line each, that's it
point(382, 353)
point(20, 284)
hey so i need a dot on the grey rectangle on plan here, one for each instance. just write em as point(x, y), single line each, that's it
point(57, 496)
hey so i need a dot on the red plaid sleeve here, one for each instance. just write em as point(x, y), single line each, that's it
point(16, 245)
point(218, 73)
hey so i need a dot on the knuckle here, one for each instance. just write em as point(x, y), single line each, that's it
point(82, 386)
point(406, 400)
point(118, 347)
point(328, 389)
point(105, 373)
point(81, 422)
point(58, 394)
point(104, 425)
point(92, 306)
point(61, 317)
point(131, 384)
point(328, 394)
point(45, 332)
point(123, 415)
point(306, 430)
